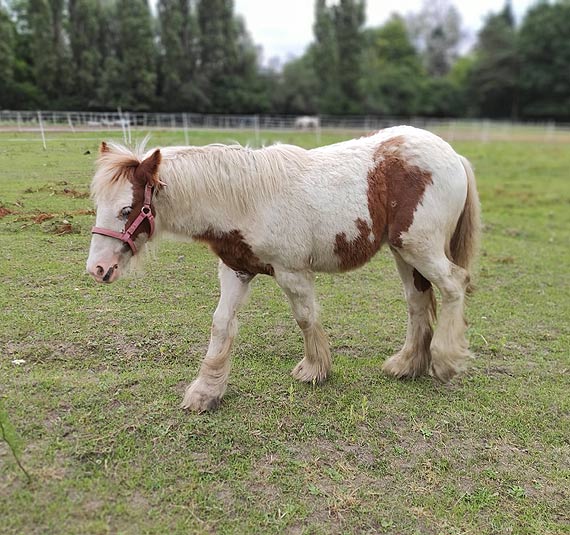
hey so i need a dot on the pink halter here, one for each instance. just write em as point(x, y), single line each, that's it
point(126, 236)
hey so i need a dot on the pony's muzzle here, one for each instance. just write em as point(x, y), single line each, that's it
point(105, 273)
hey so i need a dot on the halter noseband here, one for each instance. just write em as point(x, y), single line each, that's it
point(126, 236)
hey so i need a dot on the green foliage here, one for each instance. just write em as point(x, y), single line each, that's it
point(325, 59)
point(297, 88)
point(337, 55)
point(393, 78)
point(349, 20)
point(136, 54)
point(197, 56)
point(494, 80)
point(178, 56)
point(7, 57)
point(85, 27)
point(545, 61)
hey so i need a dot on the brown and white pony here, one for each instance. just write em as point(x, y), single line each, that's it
point(287, 212)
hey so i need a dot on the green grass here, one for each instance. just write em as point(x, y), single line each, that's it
point(96, 402)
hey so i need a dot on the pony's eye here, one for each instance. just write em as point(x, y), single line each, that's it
point(125, 212)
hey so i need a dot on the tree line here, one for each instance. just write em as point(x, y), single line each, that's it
point(197, 56)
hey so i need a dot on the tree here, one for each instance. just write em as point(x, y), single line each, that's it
point(48, 58)
point(494, 76)
point(337, 54)
point(228, 72)
point(129, 68)
point(296, 91)
point(7, 59)
point(349, 20)
point(178, 56)
point(545, 61)
point(84, 29)
point(437, 33)
point(393, 76)
point(325, 58)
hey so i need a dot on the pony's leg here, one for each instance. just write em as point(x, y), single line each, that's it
point(206, 391)
point(415, 357)
point(300, 289)
point(449, 348)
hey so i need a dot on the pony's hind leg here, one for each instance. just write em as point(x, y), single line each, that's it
point(449, 348)
point(206, 391)
point(414, 358)
point(299, 288)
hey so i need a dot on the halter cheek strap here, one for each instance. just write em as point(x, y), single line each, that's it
point(126, 236)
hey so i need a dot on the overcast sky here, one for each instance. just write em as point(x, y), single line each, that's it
point(284, 28)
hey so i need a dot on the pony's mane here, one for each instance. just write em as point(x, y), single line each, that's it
point(116, 164)
point(230, 174)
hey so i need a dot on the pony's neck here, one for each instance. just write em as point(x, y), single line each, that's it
point(217, 186)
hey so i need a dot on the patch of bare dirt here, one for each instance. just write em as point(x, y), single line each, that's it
point(73, 193)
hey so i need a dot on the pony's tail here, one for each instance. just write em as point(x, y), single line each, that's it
point(464, 243)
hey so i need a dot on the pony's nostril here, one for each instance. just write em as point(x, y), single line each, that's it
point(100, 271)
point(108, 275)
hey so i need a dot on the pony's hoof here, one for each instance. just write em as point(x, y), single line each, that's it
point(444, 368)
point(198, 398)
point(309, 372)
point(404, 365)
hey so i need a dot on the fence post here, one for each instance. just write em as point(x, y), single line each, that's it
point(129, 127)
point(42, 129)
point(185, 125)
point(70, 122)
point(256, 129)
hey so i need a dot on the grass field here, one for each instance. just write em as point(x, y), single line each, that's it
point(95, 404)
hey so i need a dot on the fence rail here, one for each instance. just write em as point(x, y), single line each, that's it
point(450, 129)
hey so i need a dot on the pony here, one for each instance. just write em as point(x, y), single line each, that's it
point(307, 122)
point(287, 212)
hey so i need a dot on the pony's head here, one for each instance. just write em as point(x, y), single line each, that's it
point(122, 190)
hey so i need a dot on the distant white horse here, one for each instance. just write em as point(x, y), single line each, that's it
point(288, 212)
point(307, 122)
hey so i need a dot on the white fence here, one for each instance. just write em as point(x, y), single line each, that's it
point(450, 129)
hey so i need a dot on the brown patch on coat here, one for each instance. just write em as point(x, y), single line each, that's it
point(235, 252)
point(356, 252)
point(395, 188)
point(420, 282)
point(406, 186)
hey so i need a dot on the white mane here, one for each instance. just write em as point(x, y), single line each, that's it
point(112, 166)
point(230, 174)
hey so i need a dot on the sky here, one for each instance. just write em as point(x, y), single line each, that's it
point(284, 28)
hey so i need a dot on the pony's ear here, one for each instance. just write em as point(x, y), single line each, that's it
point(104, 148)
point(147, 170)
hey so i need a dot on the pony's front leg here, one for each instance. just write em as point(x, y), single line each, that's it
point(300, 289)
point(206, 391)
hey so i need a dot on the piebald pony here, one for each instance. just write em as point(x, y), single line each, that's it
point(288, 212)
